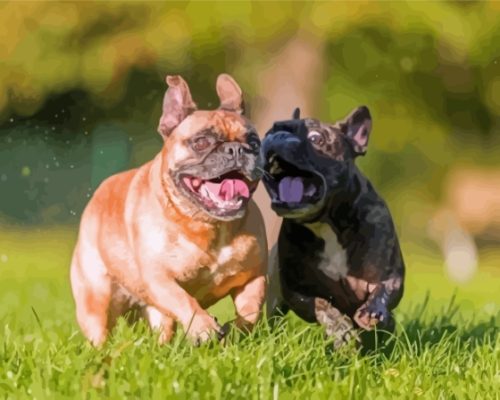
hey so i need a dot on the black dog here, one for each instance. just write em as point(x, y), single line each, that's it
point(339, 256)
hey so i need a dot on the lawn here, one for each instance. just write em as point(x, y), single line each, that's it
point(446, 346)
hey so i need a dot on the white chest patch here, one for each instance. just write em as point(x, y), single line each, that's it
point(225, 255)
point(334, 258)
point(223, 250)
point(224, 264)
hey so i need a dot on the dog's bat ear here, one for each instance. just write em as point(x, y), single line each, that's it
point(296, 113)
point(230, 94)
point(357, 127)
point(177, 104)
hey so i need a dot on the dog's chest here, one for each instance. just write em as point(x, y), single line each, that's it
point(222, 266)
point(224, 263)
point(333, 259)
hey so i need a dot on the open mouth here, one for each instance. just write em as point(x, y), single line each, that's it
point(290, 186)
point(223, 195)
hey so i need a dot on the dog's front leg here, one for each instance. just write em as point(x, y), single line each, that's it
point(170, 299)
point(248, 301)
point(376, 311)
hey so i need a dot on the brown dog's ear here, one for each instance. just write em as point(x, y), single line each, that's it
point(177, 104)
point(230, 94)
point(357, 127)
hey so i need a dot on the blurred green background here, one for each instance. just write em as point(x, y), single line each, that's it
point(81, 86)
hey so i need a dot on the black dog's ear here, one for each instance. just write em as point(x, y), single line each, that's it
point(296, 113)
point(356, 127)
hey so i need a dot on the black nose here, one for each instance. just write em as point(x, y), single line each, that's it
point(285, 137)
point(282, 143)
point(232, 152)
point(233, 149)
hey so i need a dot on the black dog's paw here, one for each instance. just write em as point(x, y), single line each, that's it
point(337, 325)
point(373, 313)
point(223, 331)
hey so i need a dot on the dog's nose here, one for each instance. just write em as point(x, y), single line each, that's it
point(281, 142)
point(233, 152)
point(233, 149)
point(286, 138)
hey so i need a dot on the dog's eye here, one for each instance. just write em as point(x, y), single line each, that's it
point(253, 141)
point(254, 145)
point(201, 143)
point(316, 138)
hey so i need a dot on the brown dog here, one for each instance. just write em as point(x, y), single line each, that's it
point(179, 233)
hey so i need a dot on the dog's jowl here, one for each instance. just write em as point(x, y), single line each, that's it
point(172, 237)
point(338, 261)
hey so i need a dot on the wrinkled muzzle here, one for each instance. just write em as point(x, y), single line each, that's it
point(223, 182)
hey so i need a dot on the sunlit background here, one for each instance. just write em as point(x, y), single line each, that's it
point(81, 86)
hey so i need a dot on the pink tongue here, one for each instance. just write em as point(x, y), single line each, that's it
point(229, 189)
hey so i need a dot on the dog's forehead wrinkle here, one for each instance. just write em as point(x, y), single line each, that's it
point(220, 122)
point(206, 131)
point(225, 118)
point(311, 122)
point(322, 127)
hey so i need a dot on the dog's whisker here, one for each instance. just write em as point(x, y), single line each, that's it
point(265, 172)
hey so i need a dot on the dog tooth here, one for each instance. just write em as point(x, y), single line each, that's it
point(206, 193)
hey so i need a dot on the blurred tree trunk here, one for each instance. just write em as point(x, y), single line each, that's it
point(291, 79)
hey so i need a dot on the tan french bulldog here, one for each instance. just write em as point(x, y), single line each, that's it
point(174, 236)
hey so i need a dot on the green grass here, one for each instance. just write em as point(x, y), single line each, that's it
point(442, 350)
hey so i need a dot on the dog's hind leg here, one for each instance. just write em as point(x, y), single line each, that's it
point(337, 325)
point(92, 293)
point(316, 309)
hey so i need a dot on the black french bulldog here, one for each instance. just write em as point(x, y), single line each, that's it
point(339, 259)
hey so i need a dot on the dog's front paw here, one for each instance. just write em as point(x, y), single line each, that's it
point(337, 325)
point(204, 328)
point(373, 314)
